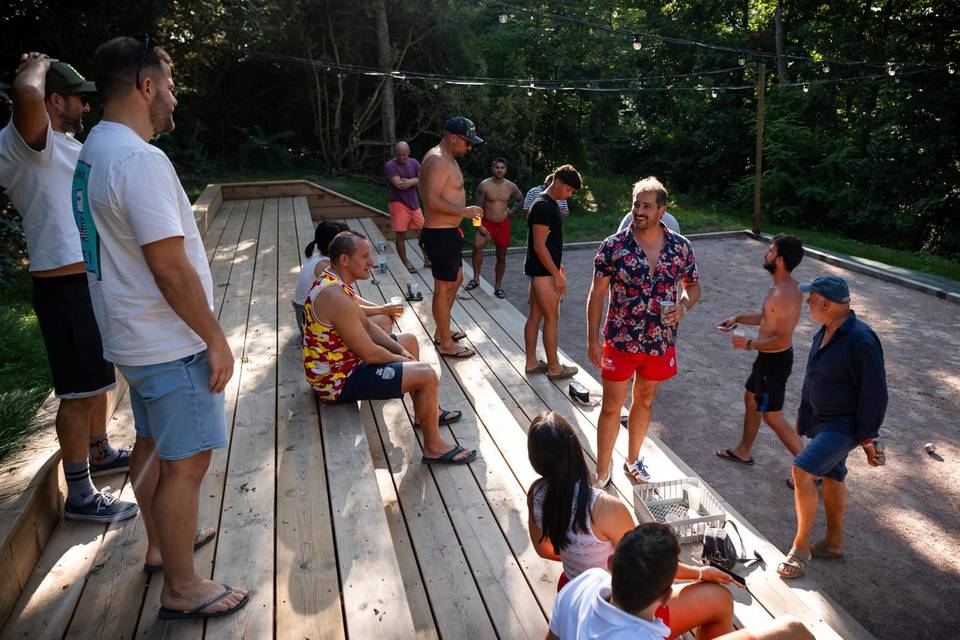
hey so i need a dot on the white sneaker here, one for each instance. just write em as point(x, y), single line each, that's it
point(636, 471)
point(603, 483)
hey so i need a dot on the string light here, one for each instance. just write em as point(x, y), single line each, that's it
point(806, 87)
point(826, 68)
point(951, 68)
point(713, 94)
point(503, 15)
point(891, 70)
point(741, 61)
point(436, 85)
point(637, 45)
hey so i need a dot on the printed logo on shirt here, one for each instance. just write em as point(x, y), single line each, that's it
point(89, 238)
point(386, 373)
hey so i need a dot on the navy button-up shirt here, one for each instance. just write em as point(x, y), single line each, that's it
point(845, 388)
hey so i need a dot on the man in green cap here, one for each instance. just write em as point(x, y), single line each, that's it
point(38, 154)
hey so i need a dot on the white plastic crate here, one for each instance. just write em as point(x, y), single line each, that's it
point(668, 502)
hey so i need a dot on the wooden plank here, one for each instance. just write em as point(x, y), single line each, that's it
point(374, 599)
point(215, 230)
point(437, 548)
point(206, 206)
point(233, 264)
point(258, 190)
point(245, 550)
point(328, 212)
point(513, 607)
point(57, 582)
point(308, 594)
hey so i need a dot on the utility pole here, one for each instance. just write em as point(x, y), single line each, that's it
point(761, 88)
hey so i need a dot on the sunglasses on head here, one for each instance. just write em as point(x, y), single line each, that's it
point(147, 42)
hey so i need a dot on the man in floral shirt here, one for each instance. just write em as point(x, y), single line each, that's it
point(643, 268)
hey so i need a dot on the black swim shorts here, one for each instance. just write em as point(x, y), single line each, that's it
point(443, 247)
point(71, 336)
point(768, 380)
point(373, 382)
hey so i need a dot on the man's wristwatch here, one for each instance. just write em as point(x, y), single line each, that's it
point(748, 345)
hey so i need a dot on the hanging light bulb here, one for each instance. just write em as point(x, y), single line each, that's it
point(826, 67)
point(951, 68)
point(529, 92)
point(637, 45)
point(713, 94)
point(806, 87)
point(891, 70)
point(741, 61)
point(503, 15)
point(436, 85)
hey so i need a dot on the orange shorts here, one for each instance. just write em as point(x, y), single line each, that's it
point(620, 365)
point(499, 231)
point(402, 218)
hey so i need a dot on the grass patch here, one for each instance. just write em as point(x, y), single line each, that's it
point(24, 376)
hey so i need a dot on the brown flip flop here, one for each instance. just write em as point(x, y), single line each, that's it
point(820, 550)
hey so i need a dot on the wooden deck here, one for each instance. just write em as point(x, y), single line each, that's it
point(325, 512)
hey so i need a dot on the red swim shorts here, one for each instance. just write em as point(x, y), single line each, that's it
point(620, 365)
point(500, 231)
point(402, 218)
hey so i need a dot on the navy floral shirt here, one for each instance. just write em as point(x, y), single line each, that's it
point(633, 315)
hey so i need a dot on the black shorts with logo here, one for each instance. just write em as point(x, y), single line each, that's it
point(443, 247)
point(373, 382)
point(768, 380)
point(71, 336)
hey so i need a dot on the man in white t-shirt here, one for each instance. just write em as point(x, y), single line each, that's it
point(535, 192)
point(38, 153)
point(635, 601)
point(153, 298)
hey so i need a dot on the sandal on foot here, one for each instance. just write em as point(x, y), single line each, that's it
point(728, 454)
point(456, 337)
point(462, 353)
point(172, 614)
point(198, 542)
point(450, 457)
point(470, 286)
point(821, 551)
point(565, 372)
point(793, 566)
point(540, 368)
point(500, 293)
point(411, 269)
point(446, 417)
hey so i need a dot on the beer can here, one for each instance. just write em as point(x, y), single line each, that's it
point(382, 264)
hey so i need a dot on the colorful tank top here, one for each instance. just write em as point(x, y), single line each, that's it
point(326, 359)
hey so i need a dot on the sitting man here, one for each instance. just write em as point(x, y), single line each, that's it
point(637, 599)
point(349, 358)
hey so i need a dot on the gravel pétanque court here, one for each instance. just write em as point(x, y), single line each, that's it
point(901, 574)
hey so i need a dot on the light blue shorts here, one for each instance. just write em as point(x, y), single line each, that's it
point(173, 406)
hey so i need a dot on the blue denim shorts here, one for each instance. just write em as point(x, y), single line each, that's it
point(173, 406)
point(825, 456)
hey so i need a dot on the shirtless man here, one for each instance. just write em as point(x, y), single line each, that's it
point(493, 194)
point(767, 383)
point(444, 203)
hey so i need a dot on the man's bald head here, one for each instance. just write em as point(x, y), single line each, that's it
point(401, 152)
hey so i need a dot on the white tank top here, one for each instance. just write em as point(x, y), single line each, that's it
point(584, 550)
point(307, 277)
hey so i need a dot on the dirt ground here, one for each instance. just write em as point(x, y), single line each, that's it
point(901, 574)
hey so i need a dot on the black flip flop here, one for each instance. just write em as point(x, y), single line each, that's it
point(460, 355)
point(446, 417)
point(500, 293)
point(470, 286)
point(450, 457)
point(456, 337)
point(198, 542)
point(728, 454)
point(171, 614)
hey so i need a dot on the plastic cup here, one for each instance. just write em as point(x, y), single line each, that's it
point(739, 332)
point(397, 300)
point(693, 500)
point(665, 307)
point(476, 221)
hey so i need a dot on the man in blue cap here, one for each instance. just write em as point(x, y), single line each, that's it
point(38, 153)
point(444, 207)
point(842, 405)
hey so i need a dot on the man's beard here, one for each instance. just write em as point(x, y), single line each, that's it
point(770, 266)
point(160, 118)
